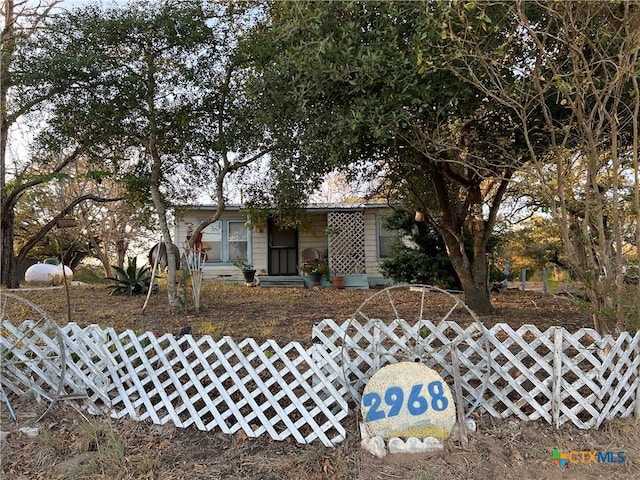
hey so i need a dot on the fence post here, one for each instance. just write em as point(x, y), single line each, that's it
point(457, 382)
point(523, 282)
point(544, 280)
point(556, 380)
point(375, 354)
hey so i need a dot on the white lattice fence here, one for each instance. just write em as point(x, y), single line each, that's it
point(257, 388)
point(292, 391)
point(54, 365)
point(554, 375)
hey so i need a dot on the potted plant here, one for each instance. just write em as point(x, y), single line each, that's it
point(248, 272)
point(316, 269)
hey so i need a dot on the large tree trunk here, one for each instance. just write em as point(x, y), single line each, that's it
point(8, 266)
point(477, 298)
point(459, 217)
point(472, 273)
point(176, 302)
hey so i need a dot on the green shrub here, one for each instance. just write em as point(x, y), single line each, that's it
point(423, 260)
point(132, 281)
point(89, 274)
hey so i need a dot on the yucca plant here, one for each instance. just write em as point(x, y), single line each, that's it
point(132, 281)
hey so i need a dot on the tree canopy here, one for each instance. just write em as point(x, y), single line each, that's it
point(154, 95)
point(582, 59)
point(440, 105)
point(366, 86)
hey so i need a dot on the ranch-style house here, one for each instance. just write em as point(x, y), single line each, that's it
point(348, 239)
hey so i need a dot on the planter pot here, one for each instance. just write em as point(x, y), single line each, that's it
point(338, 281)
point(249, 276)
point(316, 279)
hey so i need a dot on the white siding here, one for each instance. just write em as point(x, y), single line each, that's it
point(258, 242)
point(371, 242)
point(315, 236)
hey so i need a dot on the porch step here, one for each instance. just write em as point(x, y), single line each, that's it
point(282, 282)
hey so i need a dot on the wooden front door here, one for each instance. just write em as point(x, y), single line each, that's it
point(283, 251)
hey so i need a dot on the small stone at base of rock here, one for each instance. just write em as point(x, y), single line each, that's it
point(375, 446)
point(415, 445)
point(432, 444)
point(472, 427)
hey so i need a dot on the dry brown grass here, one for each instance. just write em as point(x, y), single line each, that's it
point(282, 314)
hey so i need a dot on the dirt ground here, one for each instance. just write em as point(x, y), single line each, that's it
point(73, 445)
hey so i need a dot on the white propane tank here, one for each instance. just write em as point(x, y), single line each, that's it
point(44, 274)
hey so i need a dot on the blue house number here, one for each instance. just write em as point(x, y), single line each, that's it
point(394, 397)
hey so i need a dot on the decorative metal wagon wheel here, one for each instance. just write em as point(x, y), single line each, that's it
point(32, 354)
point(404, 323)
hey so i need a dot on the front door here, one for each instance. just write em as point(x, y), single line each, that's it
point(283, 250)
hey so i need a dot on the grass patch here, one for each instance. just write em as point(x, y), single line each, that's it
point(90, 274)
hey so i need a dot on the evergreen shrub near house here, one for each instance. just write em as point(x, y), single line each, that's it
point(423, 260)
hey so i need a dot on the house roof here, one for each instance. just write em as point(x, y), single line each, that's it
point(315, 207)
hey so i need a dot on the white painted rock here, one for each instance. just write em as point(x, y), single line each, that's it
point(432, 444)
point(470, 424)
point(408, 399)
point(396, 445)
point(30, 431)
point(44, 274)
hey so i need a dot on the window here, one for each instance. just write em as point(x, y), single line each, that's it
point(386, 238)
point(237, 241)
point(226, 241)
point(212, 237)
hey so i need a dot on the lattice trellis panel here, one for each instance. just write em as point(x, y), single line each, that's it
point(619, 369)
point(257, 388)
point(521, 378)
point(290, 391)
point(553, 375)
point(580, 388)
point(86, 377)
point(362, 348)
point(346, 242)
point(54, 367)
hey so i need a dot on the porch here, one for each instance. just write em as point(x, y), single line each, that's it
point(352, 281)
